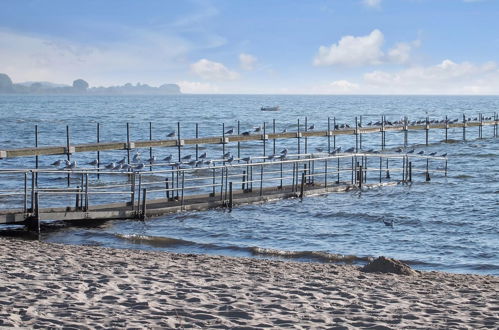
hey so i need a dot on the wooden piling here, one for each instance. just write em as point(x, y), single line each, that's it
point(167, 189)
point(302, 184)
point(182, 195)
point(230, 196)
point(68, 151)
point(261, 180)
point(243, 182)
point(410, 171)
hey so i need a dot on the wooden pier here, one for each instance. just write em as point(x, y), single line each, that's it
point(156, 188)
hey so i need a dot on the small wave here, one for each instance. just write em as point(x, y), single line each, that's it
point(314, 255)
point(156, 241)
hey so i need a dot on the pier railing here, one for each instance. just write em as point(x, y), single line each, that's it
point(100, 191)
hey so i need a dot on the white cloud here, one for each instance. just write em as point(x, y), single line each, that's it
point(247, 61)
point(401, 53)
point(194, 87)
point(210, 70)
point(352, 51)
point(372, 3)
point(446, 77)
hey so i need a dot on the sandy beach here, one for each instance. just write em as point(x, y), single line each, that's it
point(52, 285)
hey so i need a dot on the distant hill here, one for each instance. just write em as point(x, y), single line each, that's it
point(80, 86)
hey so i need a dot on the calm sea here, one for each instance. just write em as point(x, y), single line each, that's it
point(449, 224)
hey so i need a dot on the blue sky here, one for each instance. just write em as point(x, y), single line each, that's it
point(252, 46)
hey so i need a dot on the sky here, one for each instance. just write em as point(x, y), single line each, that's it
point(257, 46)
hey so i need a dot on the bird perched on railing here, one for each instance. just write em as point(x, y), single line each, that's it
point(311, 127)
point(94, 162)
point(203, 155)
point(122, 161)
point(350, 149)
point(227, 154)
point(171, 134)
point(151, 160)
point(257, 129)
point(110, 166)
point(57, 163)
point(230, 131)
point(139, 167)
point(168, 158)
point(246, 159)
point(187, 157)
point(230, 159)
point(136, 157)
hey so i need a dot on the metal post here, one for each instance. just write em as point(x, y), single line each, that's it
point(356, 135)
point(360, 134)
point(140, 191)
point(293, 182)
point(298, 138)
point(243, 181)
point(325, 173)
point(387, 170)
point(302, 184)
point(222, 184)
point(144, 204)
point(480, 127)
point(334, 136)
point(86, 192)
point(25, 204)
point(280, 186)
point(338, 173)
point(306, 138)
point(128, 142)
point(406, 132)
point(223, 139)
point(32, 191)
point(464, 127)
point(178, 142)
point(150, 139)
point(382, 133)
point(328, 135)
point(261, 180)
point(427, 129)
point(403, 169)
point(36, 146)
point(380, 169)
point(264, 140)
point(68, 154)
point(98, 152)
point(360, 177)
point(238, 142)
point(132, 191)
point(213, 183)
point(77, 198)
point(167, 189)
point(230, 196)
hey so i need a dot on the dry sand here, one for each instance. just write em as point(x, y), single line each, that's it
point(52, 285)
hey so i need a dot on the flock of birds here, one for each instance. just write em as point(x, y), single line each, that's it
point(202, 160)
point(137, 164)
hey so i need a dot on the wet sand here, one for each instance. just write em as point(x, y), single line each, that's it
point(53, 285)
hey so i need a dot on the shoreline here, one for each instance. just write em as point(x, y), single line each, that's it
point(54, 285)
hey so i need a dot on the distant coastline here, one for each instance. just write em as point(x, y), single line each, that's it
point(80, 86)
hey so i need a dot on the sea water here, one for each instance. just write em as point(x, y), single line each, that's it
point(449, 223)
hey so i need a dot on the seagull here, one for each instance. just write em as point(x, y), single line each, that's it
point(136, 157)
point(186, 157)
point(57, 163)
point(202, 156)
point(411, 151)
point(192, 162)
point(399, 150)
point(208, 162)
point(171, 134)
point(118, 167)
point(350, 149)
point(110, 166)
point(94, 162)
point(246, 159)
point(230, 131)
point(126, 167)
point(284, 130)
point(199, 163)
point(71, 165)
point(122, 161)
point(67, 162)
point(270, 157)
point(444, 155)
point(433, 153)
point(421, 152)
point(257, 129)
point(338, 149)
point(151, 160)
point(282, 157)
point(168, 158)
point(370, 150)
point(246, 133)
point(311, 127)
point(319, 149)
point(230, 159)
point(227, 154)
point(139, 167)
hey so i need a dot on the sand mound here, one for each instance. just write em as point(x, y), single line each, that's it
point(388, 265)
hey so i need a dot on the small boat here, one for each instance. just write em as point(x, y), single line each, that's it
point(276, 108)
